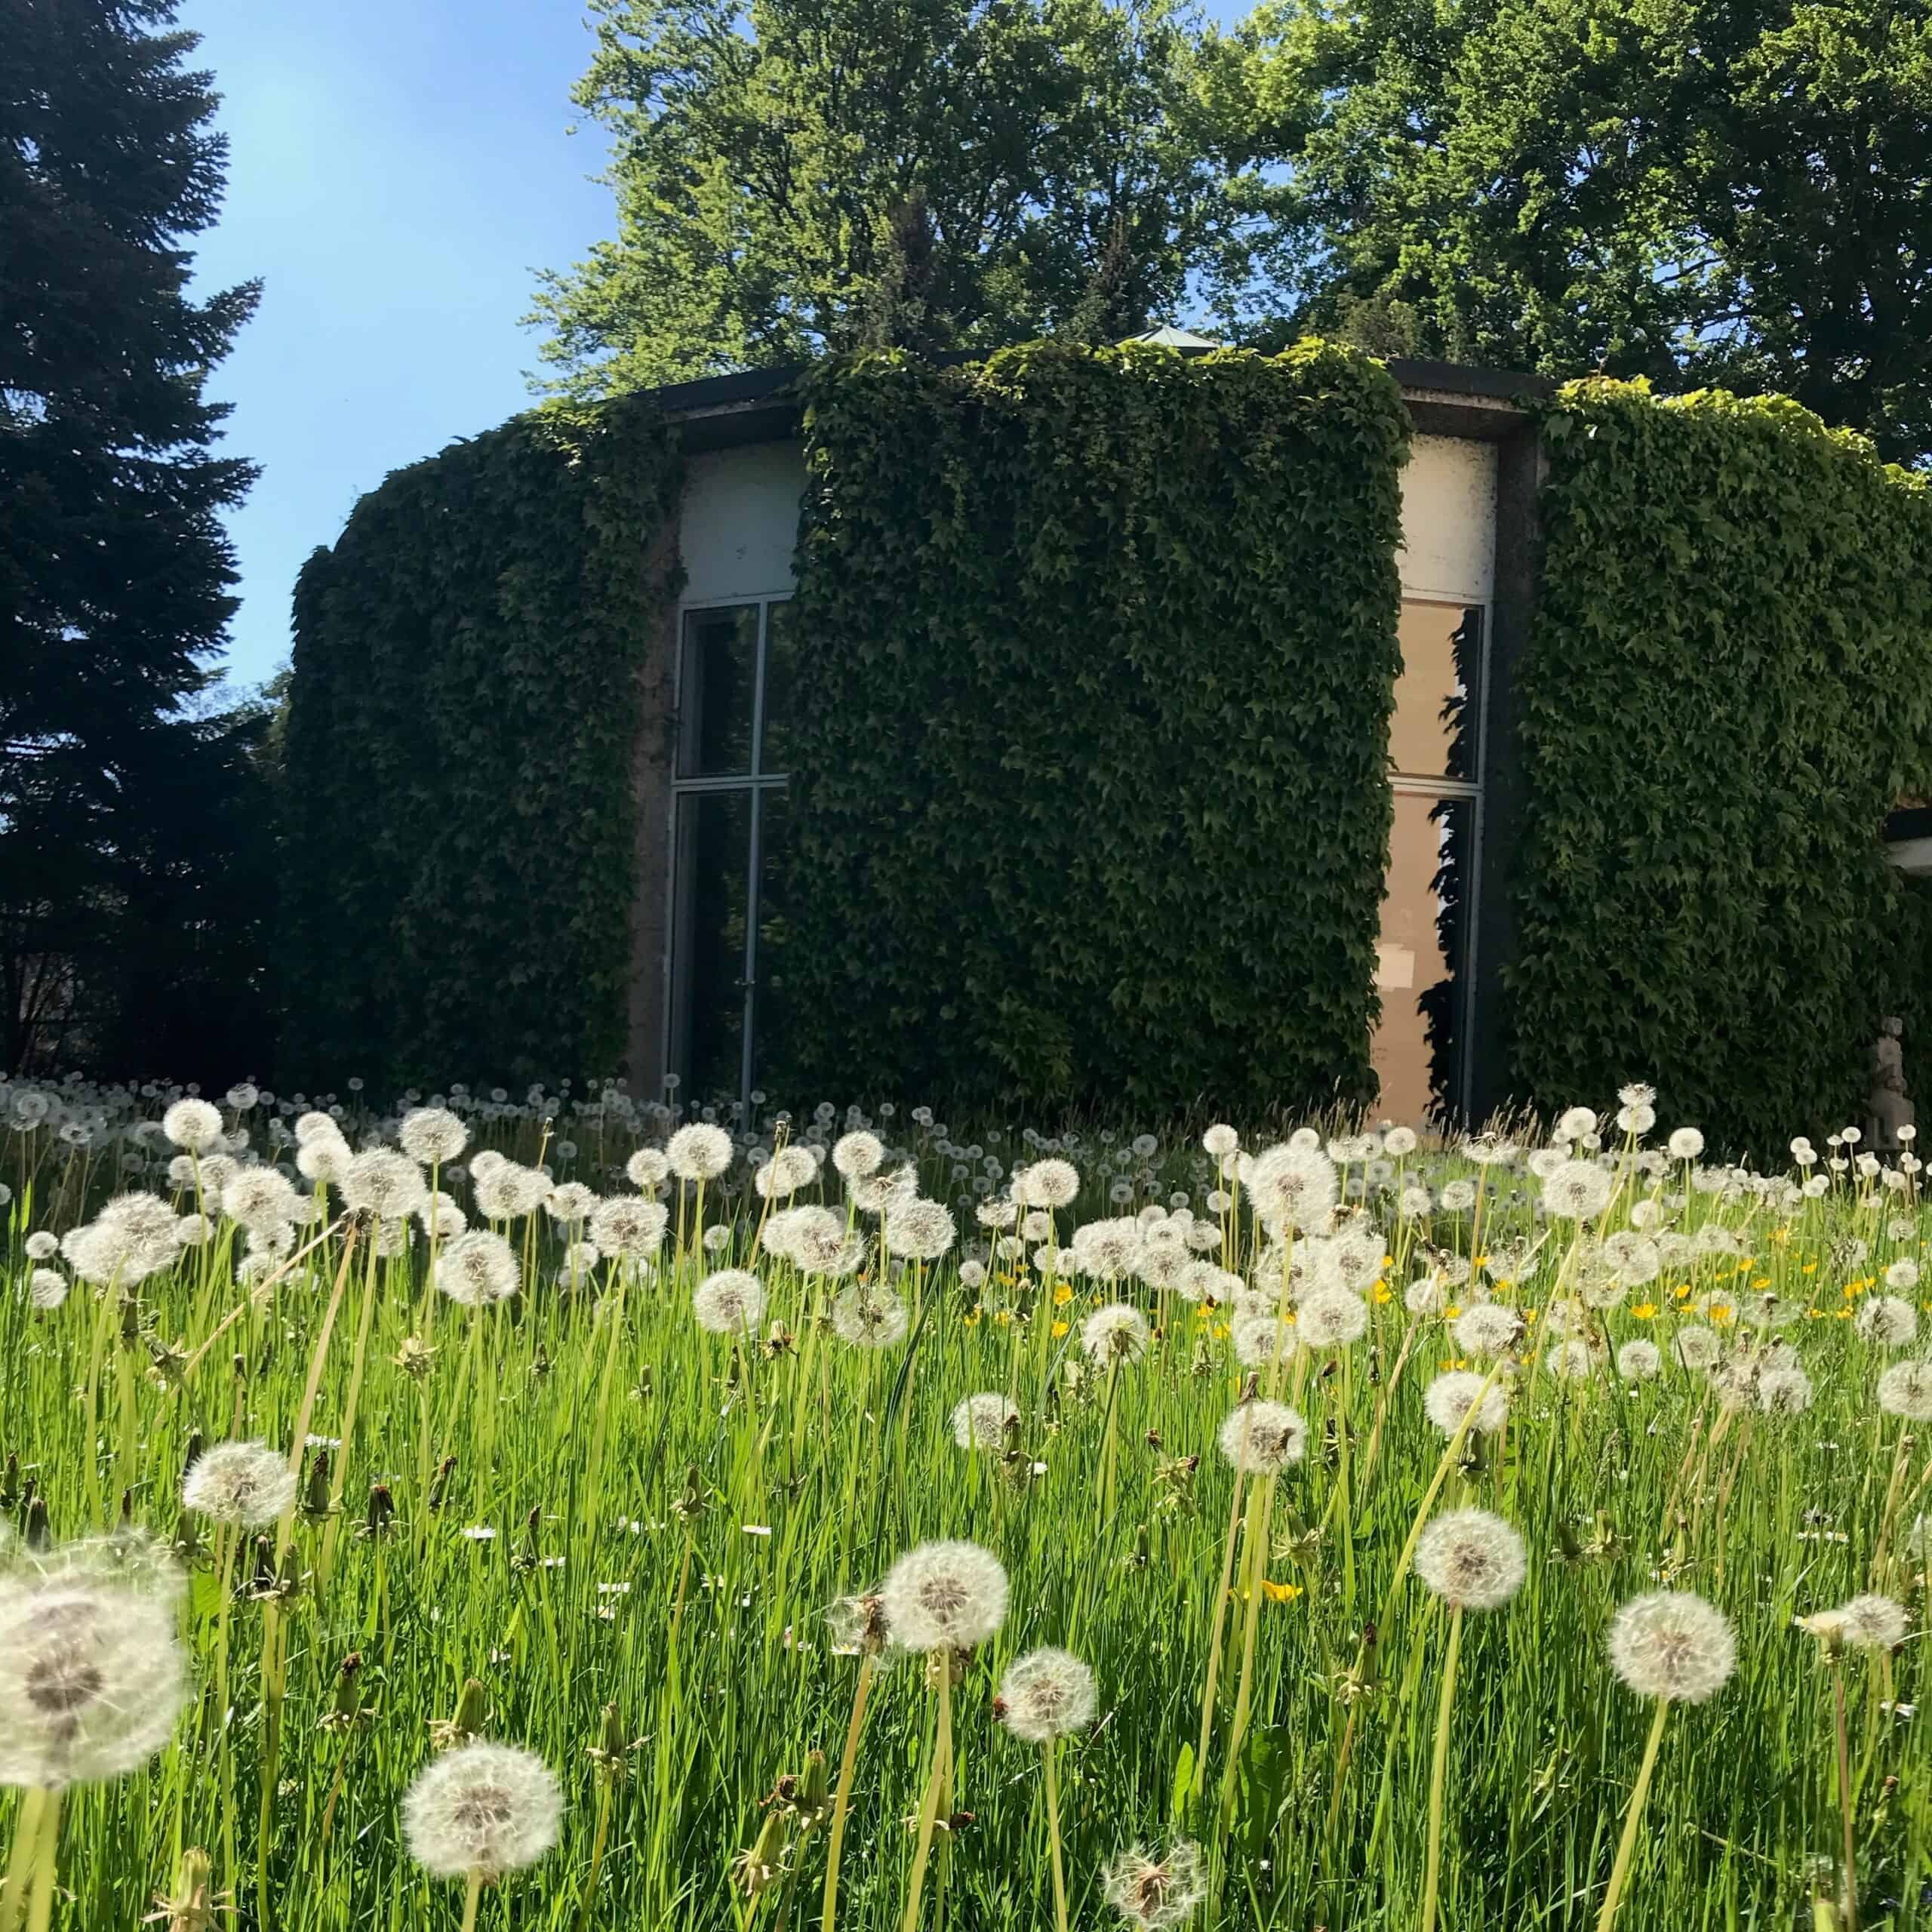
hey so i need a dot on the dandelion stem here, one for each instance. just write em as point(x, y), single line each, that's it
point(1214, 1641)
point(1633, 1817)
point(21, 1865)
point(841, 1801)
point(935, 1784)
point(1844, 1797)
point(1053, 1836)
point(1438, 1772)
point(472, 1893)
point(40, 1901)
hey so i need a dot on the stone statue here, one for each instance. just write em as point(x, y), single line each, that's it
point(1890, 1108)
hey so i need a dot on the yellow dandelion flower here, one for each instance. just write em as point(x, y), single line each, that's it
point(1063, 1295)
point(1280, 1592)
point(1061, 1328)
point(1644, 1311)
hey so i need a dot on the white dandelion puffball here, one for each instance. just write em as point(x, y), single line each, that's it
point(858, 1155)
point(1051, 1183)
point(389, 1184)
point(980, 1422)
point(1872, 1623)
point(1886, 1321)
point(1575, 1123)
point(1455, 1391)
point(1220, 1141)
point(431, 1135)
point(244, 1483)
point(1696, 1347)
point(1905, 1390)
point(1686, 1144)
point(1783, 1391)
point(628, 1225)
point(47, 1289)
point(1257, 1336)
point(1331, 1318)
point(869, 1317)
point(1263, 1438)
point(1902, 1275)
point(1045, 1694)
point(945, 1596)
point(92, 1676)
point(1399, 1142)
point(1472, 1559)
point(1488, 1329)
point(1152, 1892)
point(478, 1269)
point(1638, 1362)
point(1672, 1645)
point(570, 1204)
point(1570, 1361)
point(789, 1170)
point(482, 1808)
point(261, 1198)
point(1293, 1187)
point(700, 1151)
point(194, 1124)
point(731, 1302)
point(919, 1230)
point(1578, 1191)
point(647, 1168)
point(1118, 1333)
point(1426, 1296)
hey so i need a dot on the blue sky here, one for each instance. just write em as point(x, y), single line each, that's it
point(398, 174)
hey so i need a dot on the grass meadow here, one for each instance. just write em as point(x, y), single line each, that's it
point(638, 1468)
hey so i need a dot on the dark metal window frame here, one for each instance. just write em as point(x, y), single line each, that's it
point(754, 784)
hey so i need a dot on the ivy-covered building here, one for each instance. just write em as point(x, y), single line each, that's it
point(1147, 726)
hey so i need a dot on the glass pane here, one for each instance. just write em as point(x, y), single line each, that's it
point(771, 1008)
point(1419, 958)
point(1432, 734)
point(781, 660)
point(714, 692)
point(714, 860)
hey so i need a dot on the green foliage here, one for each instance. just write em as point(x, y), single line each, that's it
point(118, 803)
point(1693, 190)
point(1091, 795)
point(461, 729)
point(793, 176)
point(1723, 695)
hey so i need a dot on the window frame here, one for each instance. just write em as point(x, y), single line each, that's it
point(681, 881)
point(1471, 790)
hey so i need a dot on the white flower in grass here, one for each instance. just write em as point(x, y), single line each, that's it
point(1455, 1392)
point(1578, 1191)
point(1672, 1645)
point(731, 1302)
point(1783, 1391)
point(261, 1197)
point(47, 1289)
point(1905, 1390)
point(1220, 1141)
point(1399, 1142)
point(570, 1204)
point(1638, 1362)
point(1574, 1123)
point(247, 1484)
point(980, 1422)
point(869, 1317)
point(1118, 1333)
point(629, 1225)
point(918, 1230)
point(482, 1808)
point(1152, 1894)
point(478, 1269)
point(92, 1673)
point(389, 1184)
point(1257, 1336)
point(1902, 1275)
point(789, 1170)
point(700, 1151)
point(945, 1596)
point(1045, 1694)
point(1263, 1438)
point(431, 1135)
point(193, 1124)
point(647, 1168)
point(1488, 1329)
point(1886, 1320)
point(1292, 1187)
point(1686, 1144)
point(1049, 1183)
point(1331, 1318)
point(1570, 1361)
point(1696, 1346)
point(1472, 1559)
point(858, 1155)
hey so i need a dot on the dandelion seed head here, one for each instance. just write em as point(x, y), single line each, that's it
point(482, 1808)
point(1152, 1892)
point(193, 1124)
point(1046, 1693)
point(478, 1269)
point(1293, 1187)
point(1783, 1391)
point(647, 1168)
point(1049, 1183)
point(1905, 1390)
point(1118, 1333)
point(868, 1316)
point(1263, 1437)
point(629, 1225)
point(1488, 1329)
point(730, 1302)
point(386, 1183)
point(945, 1595)
point(1873, 1622)
point(248, 1484)
point(1638, 1362)
point(1685, 1144)
point(431, 1135)
point(1578, 1191)
point(858, 1155)
point(919, 1230)
point(700, 1151)
point(980, 1422)
point(1886, 1320)
point(1672, 1645)
point(1472, 1559)
point(1453, 1393)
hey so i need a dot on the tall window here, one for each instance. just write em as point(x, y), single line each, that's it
point(735, 678)
point(1423, 964)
